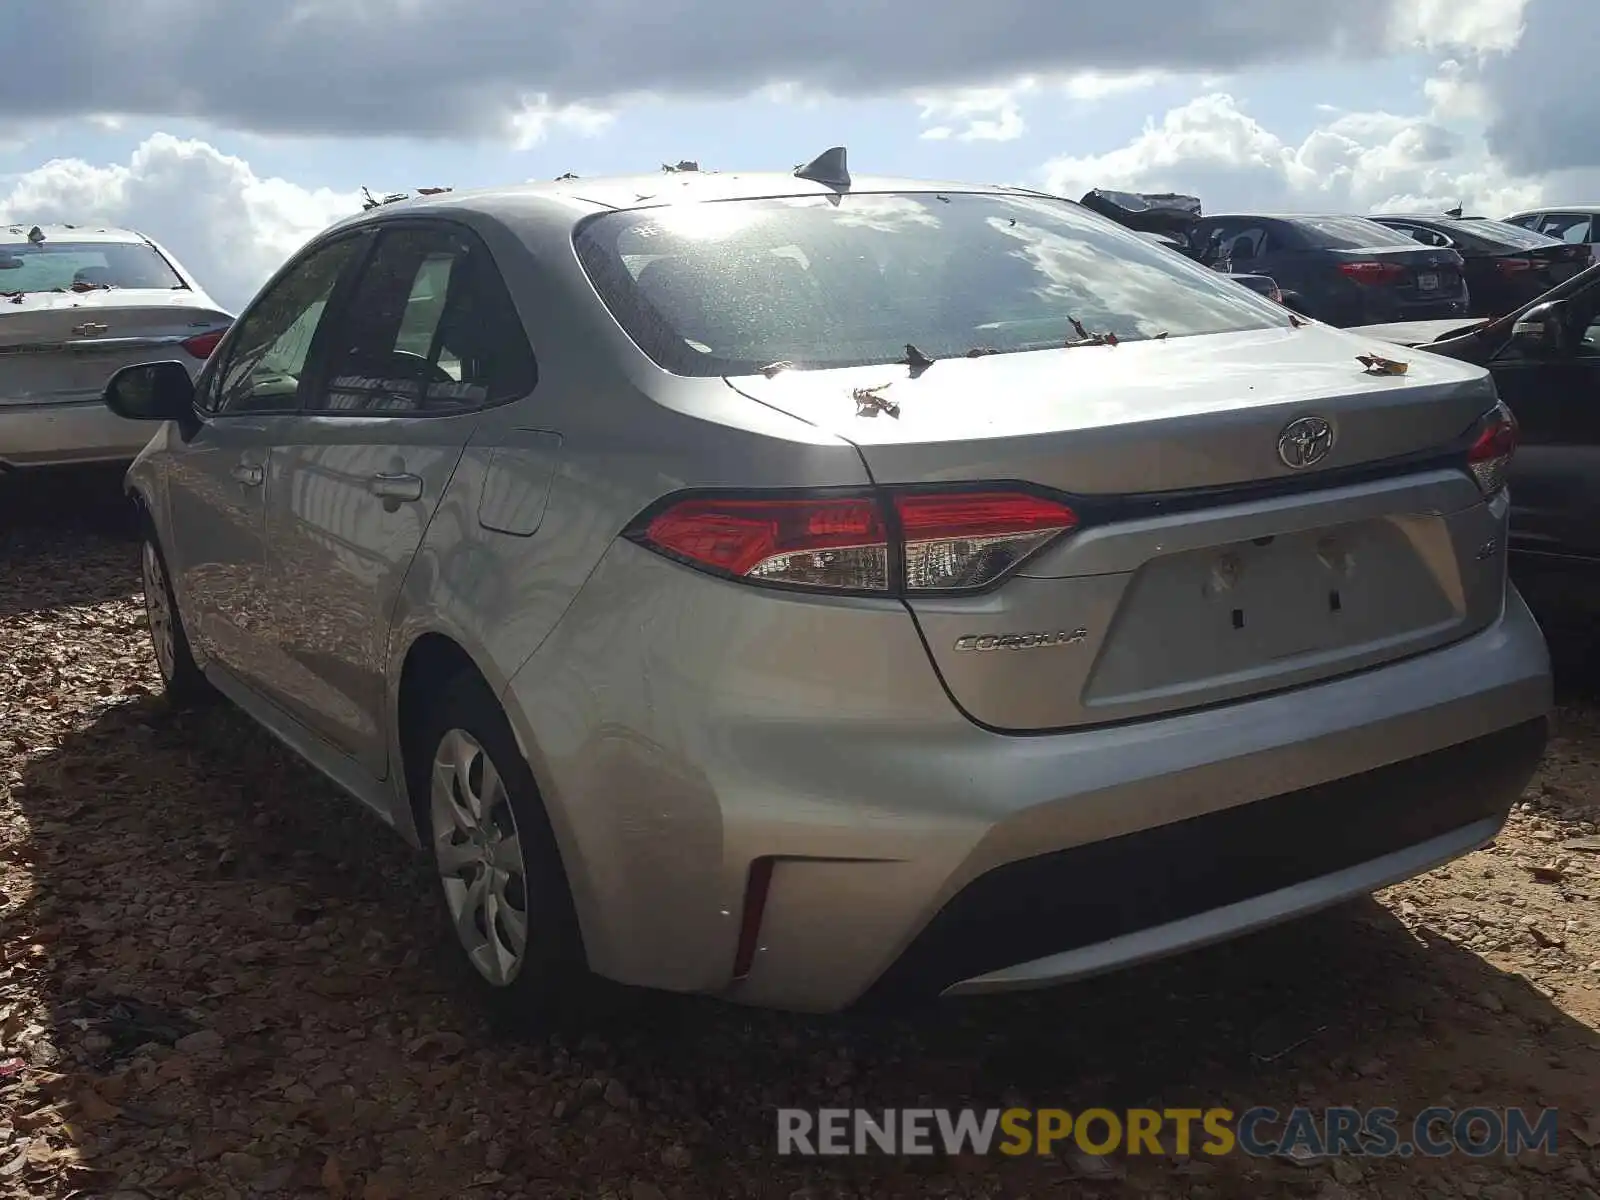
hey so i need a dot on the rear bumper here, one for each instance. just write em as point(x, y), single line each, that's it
point(1078, 912)
point(65, 433)
point(682, 729)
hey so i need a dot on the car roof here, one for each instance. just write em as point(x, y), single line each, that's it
point(18, 231)
point(1265, 216)
point(1557, 208)
point(573, 198)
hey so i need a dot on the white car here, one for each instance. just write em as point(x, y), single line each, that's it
point(76, 305)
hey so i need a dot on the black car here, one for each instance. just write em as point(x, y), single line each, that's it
point(1545, 359)
point(1506, 266)
point(1345, 270)
point(1169, 219)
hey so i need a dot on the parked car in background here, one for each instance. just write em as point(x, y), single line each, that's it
point(1545, 360)
point(1345, 270)
point(77, 304)
point(1168, 219)
point(1577, 225)
point(816, 591)
point(1506, 266)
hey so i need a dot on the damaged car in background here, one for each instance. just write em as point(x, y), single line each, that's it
point(77, 304)
point(818, 591)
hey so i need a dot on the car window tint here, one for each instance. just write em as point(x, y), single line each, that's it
point(730, 287)
point(430, 329)
point(1348, 233)
point(269, 344)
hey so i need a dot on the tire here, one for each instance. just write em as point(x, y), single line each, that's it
point(496, 859)
point(186, 685)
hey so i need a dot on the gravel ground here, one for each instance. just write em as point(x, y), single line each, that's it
point(217, 979)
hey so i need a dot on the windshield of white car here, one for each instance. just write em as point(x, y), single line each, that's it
point(83, 267)
point(730, 287)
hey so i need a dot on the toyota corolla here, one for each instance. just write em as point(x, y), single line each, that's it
point(814, 591)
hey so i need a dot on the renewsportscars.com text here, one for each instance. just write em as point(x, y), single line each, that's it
point(1258, 1132)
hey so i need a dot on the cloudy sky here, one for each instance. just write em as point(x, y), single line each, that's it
point(233, 131)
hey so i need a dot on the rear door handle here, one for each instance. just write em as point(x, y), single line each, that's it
point(249, 474)
point(396, 486)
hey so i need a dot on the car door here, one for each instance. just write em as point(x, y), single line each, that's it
point(217, 479)
point(427, 340)
point(1555, 476)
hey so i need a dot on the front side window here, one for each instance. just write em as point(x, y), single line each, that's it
point(430, 329)
point(730, 287)
point(84, 267)
point(269, 345)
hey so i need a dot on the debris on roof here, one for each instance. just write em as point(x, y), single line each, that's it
point(685, 164)
point(36, 235)
point(370, 202)
point(567, 176)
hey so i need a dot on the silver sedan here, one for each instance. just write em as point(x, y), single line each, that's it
point(816, 592)
point(76, 305)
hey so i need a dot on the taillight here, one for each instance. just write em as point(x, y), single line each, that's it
point(1491, 451)
point(1372, 272)
point(202, 344)
point(899, 542)
point(1512, 266)
point(823, 543)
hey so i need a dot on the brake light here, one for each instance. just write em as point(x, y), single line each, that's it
point(1491, 451)
point(1371, 273)
point(202, 344)
point(903, 541)
point(1512, 266)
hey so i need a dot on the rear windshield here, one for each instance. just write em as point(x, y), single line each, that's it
point(83, 266)
point(1499, 232)
point(730, 287)
point(1349, 233)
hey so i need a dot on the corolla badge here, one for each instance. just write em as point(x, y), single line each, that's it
point(1021, 641)
point(1305, 442)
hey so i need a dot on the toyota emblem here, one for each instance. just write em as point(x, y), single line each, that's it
point(1305, 442)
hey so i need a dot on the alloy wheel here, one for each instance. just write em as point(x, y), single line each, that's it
point(158, 610)
point(478, 851)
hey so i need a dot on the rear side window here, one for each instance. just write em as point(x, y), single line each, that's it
point(84, 266)
point(1499, 233)
point(730, 287)
point(1348, 233)
point(1568, 227)
point(429, 329)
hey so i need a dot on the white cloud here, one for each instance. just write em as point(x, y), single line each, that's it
point(1479, 27)
point(978, 114)
point(1097, 85)
point(228, 225)
point(1356, 161)
point(534, 120)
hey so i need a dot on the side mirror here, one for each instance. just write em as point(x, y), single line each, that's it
point(160, 391)
point(1542, 332)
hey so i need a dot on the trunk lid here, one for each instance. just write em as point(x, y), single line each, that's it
point(63, 347)
point(1552, 264)
point(1205, 569)
point(1419, 272)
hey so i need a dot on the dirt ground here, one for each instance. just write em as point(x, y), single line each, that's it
point(217, 979)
